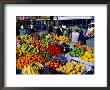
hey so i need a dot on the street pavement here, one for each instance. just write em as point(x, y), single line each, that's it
point(90, 42)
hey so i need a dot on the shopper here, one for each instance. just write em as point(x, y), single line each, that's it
point(81, 38)
point(21, 30)
point(26, 29)
point(59, 32)
point(75, 34)
point(68, 31)
point(50, 29)
point(17, 28)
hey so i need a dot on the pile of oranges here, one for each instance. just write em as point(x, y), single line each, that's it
point(27, 60)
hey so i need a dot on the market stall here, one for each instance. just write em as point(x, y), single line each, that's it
point(51, 54)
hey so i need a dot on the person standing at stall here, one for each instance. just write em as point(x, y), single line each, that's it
point(81, 37)
point(22, 30)
point(50, 25)
point(59, 32)
point(17, 28)
point(75, 34)
point(50, 29)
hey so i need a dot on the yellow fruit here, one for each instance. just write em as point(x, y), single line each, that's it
point(92, 55)
point(91, 59)
point(65, 68)
point(67, 64)
point(82, 71)
point(68, 71)
point(58, 69)
point(71, 68)
point(89, 55)
point(77, 69)
point(73, 72)
point(81, 58)
point(74, 63)
point(63, 71)
point(82, 67)
point(61, 68)
point(86, 53)
point(78, 73)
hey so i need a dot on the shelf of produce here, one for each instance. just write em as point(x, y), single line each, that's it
point(78, 59)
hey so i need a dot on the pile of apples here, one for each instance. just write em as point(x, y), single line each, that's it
point(72, 68)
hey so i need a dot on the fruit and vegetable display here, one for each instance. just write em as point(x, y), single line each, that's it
point(77, 52)
point(26, 48)
point(88, 56)
point(53, 64)
point(46, 55)
point(54, 49)
point(61, 38)
point(72, 68)
point(32, 69)
point(24, 38)
point(28, 59)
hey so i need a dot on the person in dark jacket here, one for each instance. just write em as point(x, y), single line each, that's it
point(81, 38)
point(50, 29)
point(59, 32)
point(17, 28)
